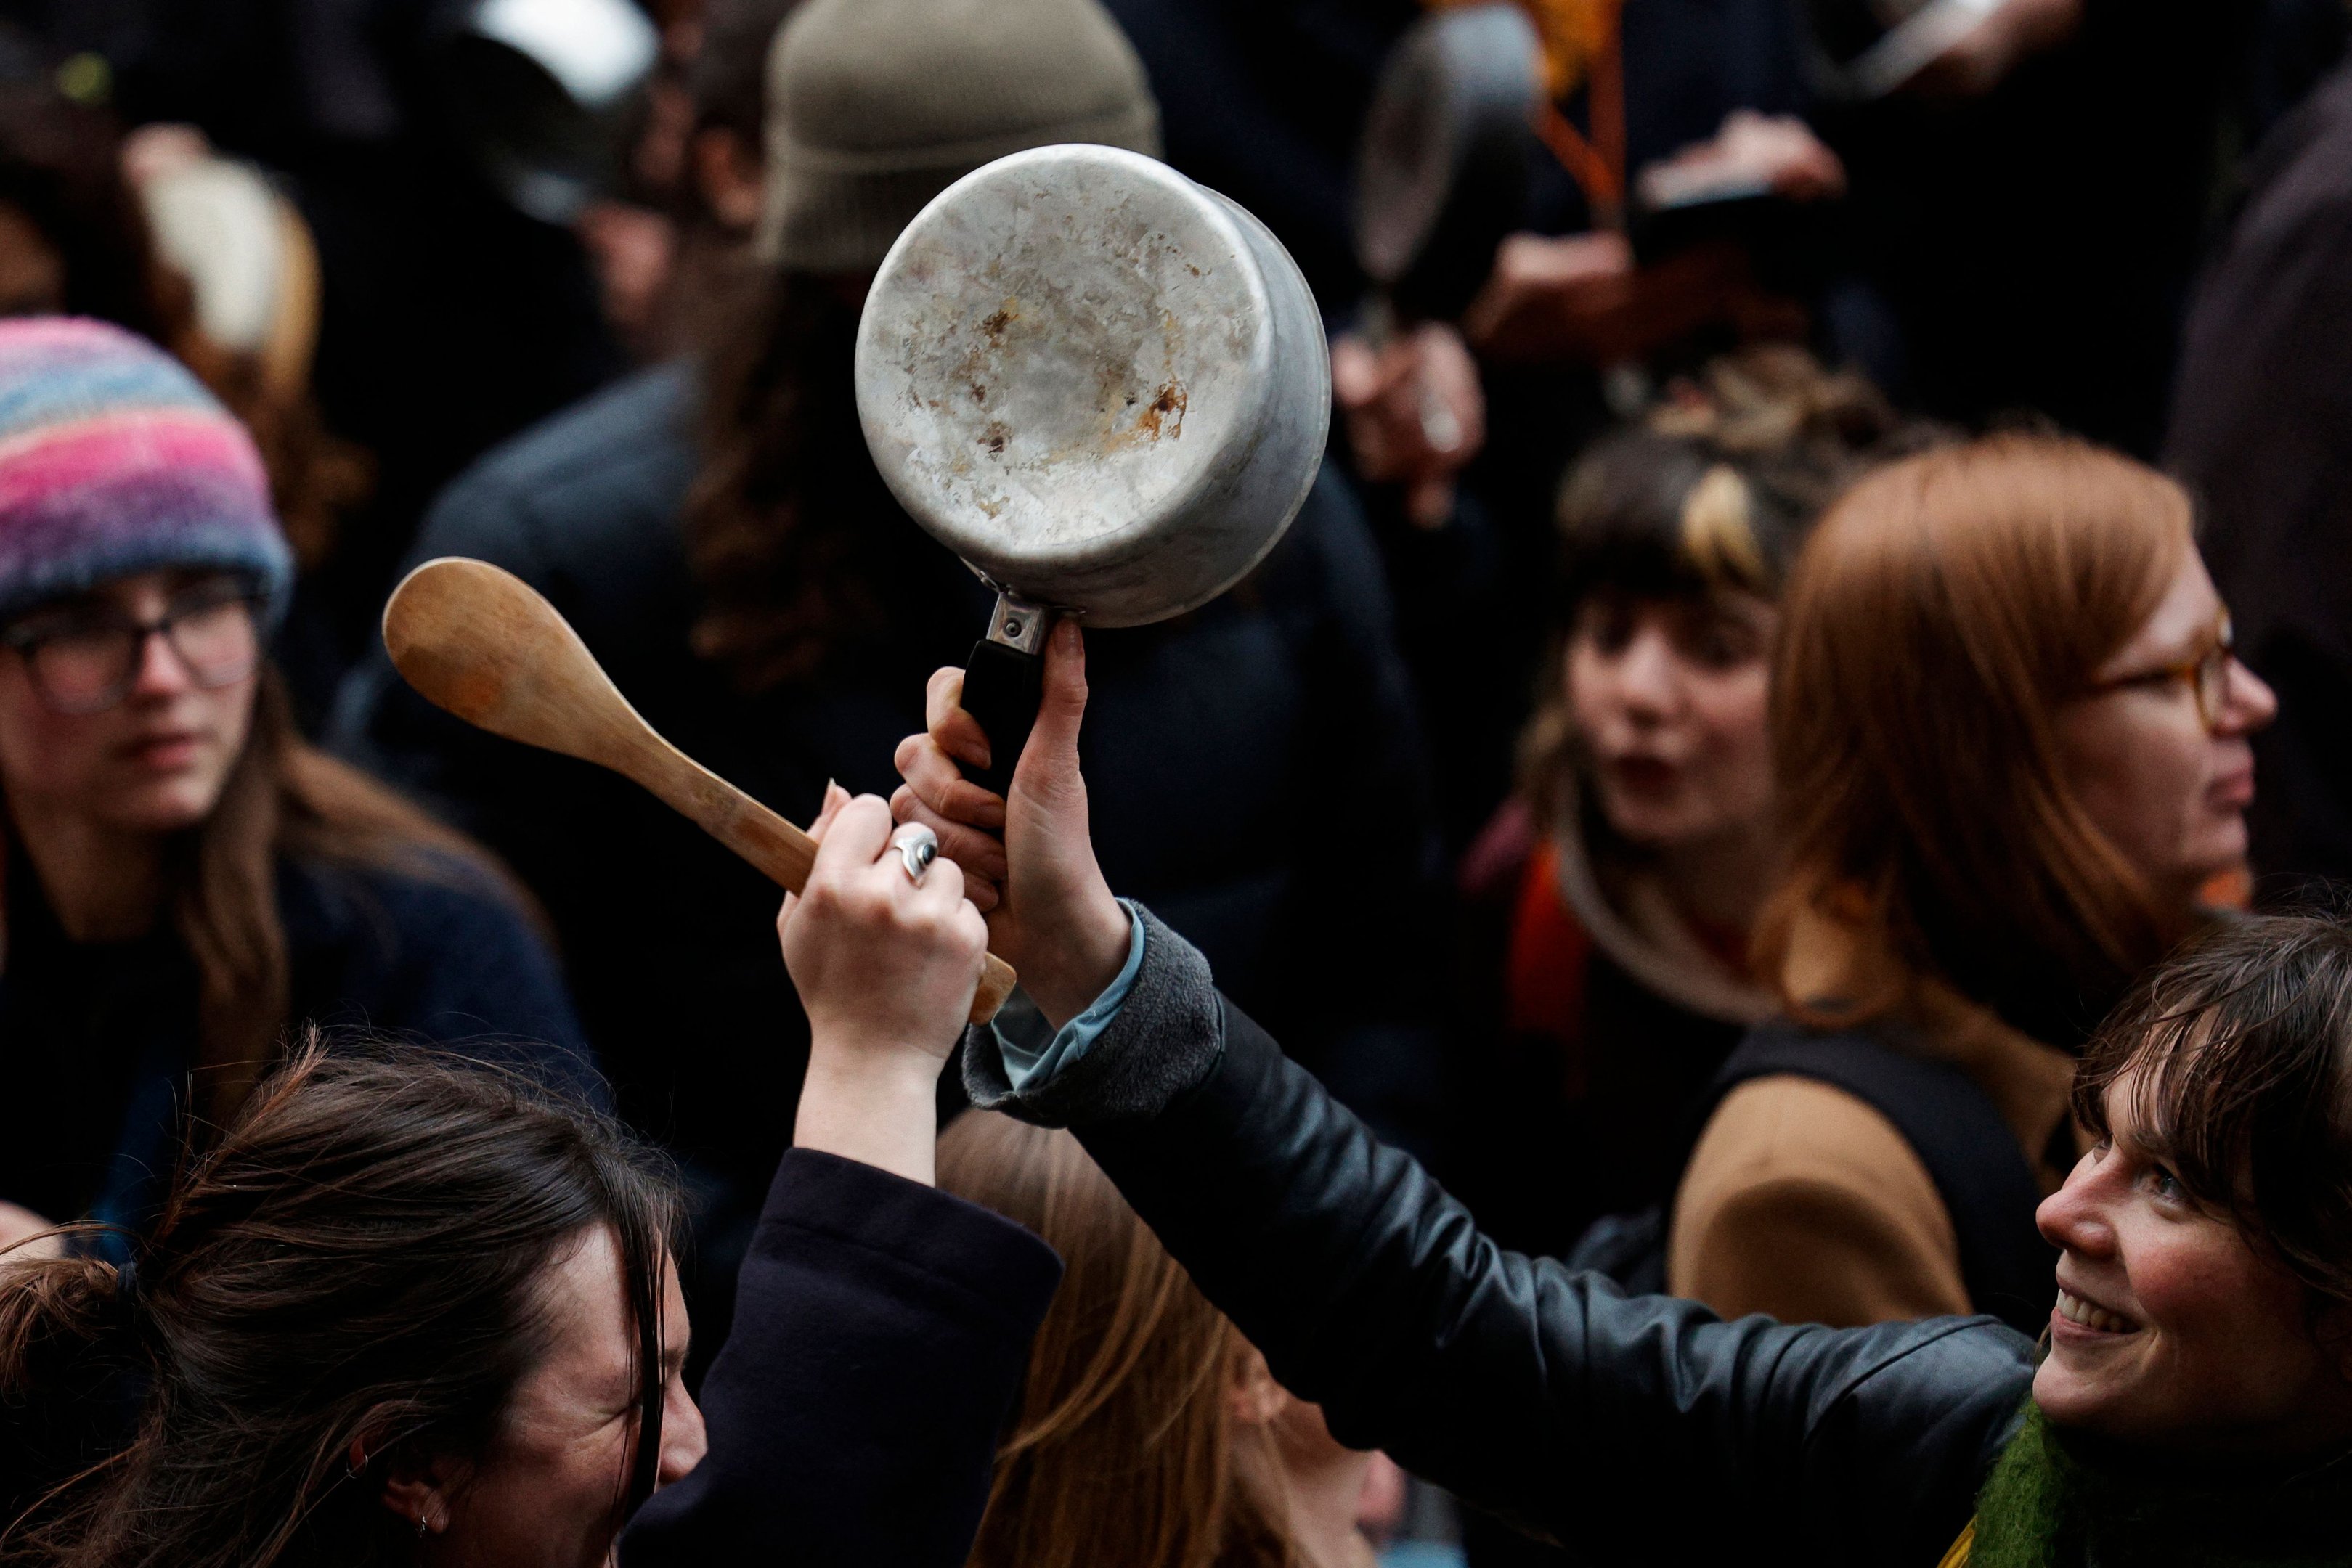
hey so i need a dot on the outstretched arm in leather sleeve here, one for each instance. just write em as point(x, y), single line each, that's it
point(1641, 1428)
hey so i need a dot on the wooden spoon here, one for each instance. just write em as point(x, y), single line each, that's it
point(483, 643)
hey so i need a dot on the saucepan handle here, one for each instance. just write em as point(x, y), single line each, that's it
point(1003, 682)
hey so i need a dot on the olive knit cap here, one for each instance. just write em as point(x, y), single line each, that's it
point(876, 106)
point(115, 461)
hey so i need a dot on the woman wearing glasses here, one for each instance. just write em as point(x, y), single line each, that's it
point(185, 878)
point(2010, 745)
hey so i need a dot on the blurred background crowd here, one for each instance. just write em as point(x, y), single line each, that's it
point(1478, 792)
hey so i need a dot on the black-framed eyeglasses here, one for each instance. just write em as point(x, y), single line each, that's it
point(2207, 674)
point(86, 659)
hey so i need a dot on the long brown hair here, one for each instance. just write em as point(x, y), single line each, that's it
point(798, 550)
point(284, 798)
point(1940, 614)
point(353, 1276)
point(1123, 1455)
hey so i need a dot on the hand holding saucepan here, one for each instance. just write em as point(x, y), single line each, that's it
point(1046, 900)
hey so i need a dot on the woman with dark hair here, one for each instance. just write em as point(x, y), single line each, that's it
point(184, 878)
point(1150, 1434)
point(1609, 904)
point(381, 1271)
point(2193, 1404)
point(409, 1309)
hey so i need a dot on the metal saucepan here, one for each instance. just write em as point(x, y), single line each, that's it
point(539, 92)
point(1865, 49)
point(1102, 385)
point(1441, 166)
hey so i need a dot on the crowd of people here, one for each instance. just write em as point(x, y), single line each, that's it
point(1694, 961)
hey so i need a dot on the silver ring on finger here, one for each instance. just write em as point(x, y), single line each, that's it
point(917, 847)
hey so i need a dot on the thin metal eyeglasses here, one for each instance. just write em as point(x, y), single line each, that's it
point(2207, 674)
point(85, 662)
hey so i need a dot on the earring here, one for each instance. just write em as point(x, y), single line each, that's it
point(420, 1524)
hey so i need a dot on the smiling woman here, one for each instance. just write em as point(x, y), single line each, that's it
point(2205, 1292)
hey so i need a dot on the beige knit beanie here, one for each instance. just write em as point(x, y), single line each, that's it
point(876, 106)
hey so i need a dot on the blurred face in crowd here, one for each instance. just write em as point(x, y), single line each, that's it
point(2164, 769)
point(1301, 1438)
point(2171, 1328)
point(127, 708)
point(546, 1494)
point(1668, 698)
point(1315, 1467)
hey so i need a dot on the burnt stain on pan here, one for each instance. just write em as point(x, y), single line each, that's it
point(1171, 401)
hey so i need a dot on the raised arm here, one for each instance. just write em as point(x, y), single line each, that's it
point(881, 1327)
point(1539, 1394)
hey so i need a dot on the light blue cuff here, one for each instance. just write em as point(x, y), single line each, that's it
point(1028, 1058)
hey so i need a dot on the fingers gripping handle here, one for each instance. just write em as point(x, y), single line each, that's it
point(1003, 684)
point(776, 847)
point(1002, 687)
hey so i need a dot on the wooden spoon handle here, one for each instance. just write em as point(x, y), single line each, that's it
point(784, 853)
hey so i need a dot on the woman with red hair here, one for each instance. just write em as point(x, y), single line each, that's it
point(2010, 745)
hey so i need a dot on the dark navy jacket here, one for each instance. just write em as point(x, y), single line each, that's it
point(101, 1037)
point(881, 1331)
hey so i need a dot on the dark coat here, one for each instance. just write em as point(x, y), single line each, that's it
point(2032, 247)
point(1582, 1042)
point(102, 1036)
point(1265, 102)
point(2261, 435)
point(1636, 1429)
point(1260, 765)
point(881, 1332)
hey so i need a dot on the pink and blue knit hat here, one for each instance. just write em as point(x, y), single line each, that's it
point(114, 461)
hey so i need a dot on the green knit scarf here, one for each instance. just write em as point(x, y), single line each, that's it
point(2055, 1501)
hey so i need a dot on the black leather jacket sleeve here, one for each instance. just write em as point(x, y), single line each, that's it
point(1639, 1430)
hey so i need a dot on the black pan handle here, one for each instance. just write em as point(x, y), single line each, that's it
point(1002, 684)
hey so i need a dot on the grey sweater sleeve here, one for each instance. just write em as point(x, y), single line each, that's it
point(1163, 1043)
